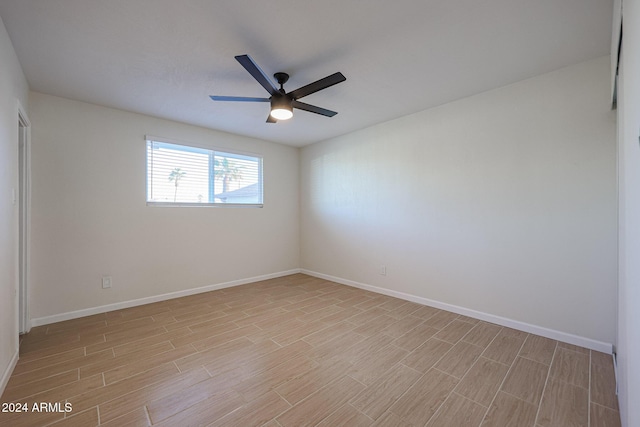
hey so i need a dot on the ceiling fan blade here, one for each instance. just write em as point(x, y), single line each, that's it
point(313, 109)
point(238, 98)
point(318, 85)
point(257, 73)
point(270, 119)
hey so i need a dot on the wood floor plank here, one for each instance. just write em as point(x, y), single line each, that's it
point(509, 411)
point(117, 361)
point(273, 323)
point(297, 333)
point(135, 344)
point(345, 416)
point(127, 403)
point(326, 315)
point(539, 349)
point(402, 326)
point(404, 310)
point(571, 367)
point(385, 391)
point(505, 347)
point(175, 401)
point(375, 325)
point(204, 412)
point(131, 369)
point(369, 303)
point(228, 349)
point(104, 394)
point(563, 405)
point(261, 350)
point(392, 303)
point(17, 392)
point(217, 339)
point(459, 359)
point(367, 316)
point(88, 418)
point(573, 347)
point(29, 419)
point(315, 408)
point(602, 416)
point(526, 380)
point(389, 419)
point(425, 312)
point(262, 383)
point(441, 319)
point(415, 337)
point(70, 365)
point(458, 411)
point(298, 389)
point(25, 365)
point(370, 367)
point(482, 334)
point(360, 349)
point(52, 347)
point(424, 398)
point(136, 418)
point(199, 320)
point(254, 413)
point(328, 333)
point(73, 324)
point(198, 335)
point(603, 383)
point(65, 391)
point(347, 342)
point(454, 331)
point(482, 381)
point(427, 355)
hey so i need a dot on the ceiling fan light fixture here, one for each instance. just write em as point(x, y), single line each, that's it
point(281, 114)
point(281, 108)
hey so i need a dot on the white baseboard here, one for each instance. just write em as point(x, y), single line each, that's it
point(8, 371)
point(510, 323)
point(148, 300)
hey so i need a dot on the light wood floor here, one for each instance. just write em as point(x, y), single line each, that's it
point(298, 351)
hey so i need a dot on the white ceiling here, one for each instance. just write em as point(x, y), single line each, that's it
point(165, 57)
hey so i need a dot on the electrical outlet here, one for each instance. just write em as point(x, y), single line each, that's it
point(383, 270)
point(106, 282)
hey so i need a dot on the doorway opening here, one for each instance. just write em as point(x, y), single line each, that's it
point(24, 189)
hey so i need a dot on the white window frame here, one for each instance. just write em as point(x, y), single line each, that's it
point(212, 152)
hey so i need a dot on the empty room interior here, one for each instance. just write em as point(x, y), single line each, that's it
point(409, 213)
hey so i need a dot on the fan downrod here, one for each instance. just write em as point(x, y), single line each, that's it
point(281, 78)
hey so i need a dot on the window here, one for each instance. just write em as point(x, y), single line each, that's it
point(191, 176)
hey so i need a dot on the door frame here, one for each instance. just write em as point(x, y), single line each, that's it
point(24, 218)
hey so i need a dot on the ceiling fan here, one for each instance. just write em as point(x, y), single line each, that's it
point(282, 102)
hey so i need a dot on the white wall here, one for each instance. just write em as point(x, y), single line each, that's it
point(628, 346)
point(89, 216)
point(502, 203)
point(13, 87)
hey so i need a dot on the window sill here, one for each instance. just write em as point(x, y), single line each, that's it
point(204, 205)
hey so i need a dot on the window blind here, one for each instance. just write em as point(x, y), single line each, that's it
point(184, 175)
